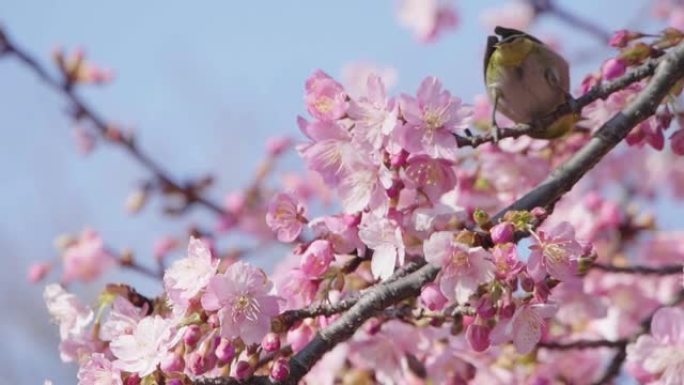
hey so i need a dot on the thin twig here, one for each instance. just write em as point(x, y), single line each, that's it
point(83, 110)
point(641, 270)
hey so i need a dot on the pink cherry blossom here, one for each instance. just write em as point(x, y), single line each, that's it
point(341, 231)
point(285, 216)
point(241, 296)
point(464, 269)
point(330, 151)
point(141, 351)
point(432, 297)
point(37, 271)
point(122, 319)
point(427, 18)
point(434, 177)
point(556, 253)
point(317, 258)
point(325, 98)
point(374, 116)
point(385, 238)
point(87, 258)
point(355, 77)
point(98, 370)
point(662, 352)
point(432, 117)
point(677, 142)
point(66, 310)
point(188, 276)
point(362, 187)
point(525, 328)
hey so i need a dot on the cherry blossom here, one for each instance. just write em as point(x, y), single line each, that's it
point(556, 253)
point(86, 258)
point(241, 297)
point(463, 268)
point(662, 352)
point(286, 217)
point(98, 370)
point(188, 276)
point(141, 351)
point(385, 238)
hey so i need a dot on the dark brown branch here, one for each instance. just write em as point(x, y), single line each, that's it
point(641, 270)
point(583, 344)
point(290, 317)
point(83, 110)
point(599, 91)
point(372, 302)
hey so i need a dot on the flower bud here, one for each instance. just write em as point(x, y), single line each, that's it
point(527, 283)
point(271, 343)
point(399, 160)
point(243, 370)
point(225, 351)
point(133, 379)
point(478, 337)
point(275, 146)
point(316, 259)
point(173, 362)
point(677, 142)
point(621, 38)
point(613, 68)
point(38, 271)
point(174, 381)
point(507, 311)
point(280, 369)
point(192, 335)
point(432, 297)
point(486, 308)
point(502, 233)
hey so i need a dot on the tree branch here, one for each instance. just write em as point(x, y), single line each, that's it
point(83, 110)
point(641, 270)
point(550, 7)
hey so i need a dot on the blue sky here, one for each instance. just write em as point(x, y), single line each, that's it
point(203, 87)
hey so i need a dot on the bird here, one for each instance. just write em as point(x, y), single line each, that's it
point(527, 80)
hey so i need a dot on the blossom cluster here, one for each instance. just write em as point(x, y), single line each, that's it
point(408, 192)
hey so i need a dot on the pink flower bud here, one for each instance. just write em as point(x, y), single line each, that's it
point(174, 381)
point(317, 258)
point(242, 370)
point(486, 308)
point(507, 311)
point(539, 212)
point(432, 297)
point(280, 370)
point(133, 379)
point(275, 146)
point(527, 283)
point(225, 351)
point(478, 337)
point(621, 38)
point(613, 68)
point(192, 335)
point(399, 160)
point(677, 142)
point(38, 271)
point(199, 364)
point(502, 233)
point(163, 246)
point(271, 343)
point(173, 362)
point(298, 338)
point(395, 189)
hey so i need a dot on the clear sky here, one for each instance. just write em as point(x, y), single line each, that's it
point(203, 86)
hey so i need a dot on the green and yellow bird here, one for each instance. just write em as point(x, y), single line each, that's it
point(526, 80)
